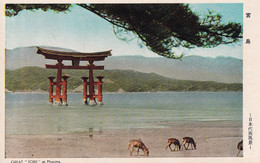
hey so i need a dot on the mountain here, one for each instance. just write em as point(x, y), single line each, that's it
point(27, 56)
point(219, 69)
point(35, 79)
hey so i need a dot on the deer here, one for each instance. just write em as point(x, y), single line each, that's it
point(139, 145)
point(188, 140)
point(240, 147)
point(175, 142)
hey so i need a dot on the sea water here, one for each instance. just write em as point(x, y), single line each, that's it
point(30, 113)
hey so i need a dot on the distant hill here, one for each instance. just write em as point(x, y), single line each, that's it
point(27, 56)
point(219, 69)
point(35, 79)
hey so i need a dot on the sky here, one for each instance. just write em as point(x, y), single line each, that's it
point(83, 31)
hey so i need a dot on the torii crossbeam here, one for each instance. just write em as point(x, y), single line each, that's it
point(75, 57)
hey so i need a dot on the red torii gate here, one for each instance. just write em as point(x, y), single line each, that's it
point(75, 57)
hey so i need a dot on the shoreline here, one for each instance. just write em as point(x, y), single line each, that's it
point(213, 139)
point(45, 92)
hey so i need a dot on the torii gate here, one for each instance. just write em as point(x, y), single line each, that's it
point(75, 57)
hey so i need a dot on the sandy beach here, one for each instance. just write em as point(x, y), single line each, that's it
point(213, 139)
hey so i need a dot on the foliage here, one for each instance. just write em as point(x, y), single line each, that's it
point(159, 27)
point(162, 27)
point(35, 78)
point(14, 9)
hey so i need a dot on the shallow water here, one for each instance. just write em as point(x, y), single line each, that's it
point(30, 113)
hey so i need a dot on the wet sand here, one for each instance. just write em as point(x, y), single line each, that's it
point(213, 139)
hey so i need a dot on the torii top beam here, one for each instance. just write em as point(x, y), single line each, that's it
point(54, 54)
point(75, 57)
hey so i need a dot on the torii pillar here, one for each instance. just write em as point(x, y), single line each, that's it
point(75, 57)
point(93, 97)
point(60, 97)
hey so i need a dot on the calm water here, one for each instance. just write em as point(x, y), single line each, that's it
point(30, 113)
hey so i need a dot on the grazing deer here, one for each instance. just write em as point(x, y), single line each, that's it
point(175, 142)
point(139, 145)
point(240, 147)
point(188, 140)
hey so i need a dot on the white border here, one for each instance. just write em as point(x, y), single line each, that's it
point(251, 83)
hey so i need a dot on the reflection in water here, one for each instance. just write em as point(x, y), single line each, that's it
point(30, 113)
point(90, 132)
